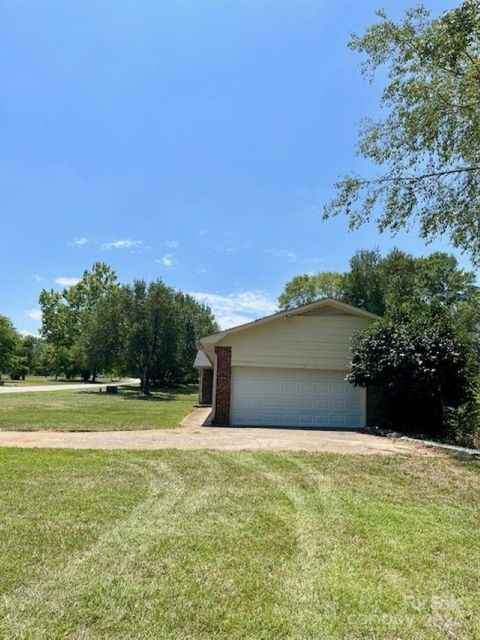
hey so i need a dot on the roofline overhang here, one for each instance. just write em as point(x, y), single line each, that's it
point(208, 341)
point(203, 366)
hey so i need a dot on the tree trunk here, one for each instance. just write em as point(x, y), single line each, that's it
point(145, 383)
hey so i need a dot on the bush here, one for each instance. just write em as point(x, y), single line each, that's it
point(18, 368)
point(423, 364)
point(463, 425)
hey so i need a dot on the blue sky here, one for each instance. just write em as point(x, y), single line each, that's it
point(192, 141)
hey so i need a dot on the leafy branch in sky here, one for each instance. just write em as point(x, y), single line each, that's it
point(428, 145)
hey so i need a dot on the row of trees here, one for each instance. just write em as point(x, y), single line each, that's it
point(20, 355)
point(142, 330)
point(423, 355)
point(382, 284)
point(148, 331)
point(98, 326)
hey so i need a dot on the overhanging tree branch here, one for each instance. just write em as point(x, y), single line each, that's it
point(419, 178)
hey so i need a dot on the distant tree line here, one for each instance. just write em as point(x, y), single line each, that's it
point(148, 331)
point(99, 326)
point(20, 355)
point(142, 330)
point(424, 353)
point(380, 284)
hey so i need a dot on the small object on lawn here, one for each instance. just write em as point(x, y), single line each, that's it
point(111, 388)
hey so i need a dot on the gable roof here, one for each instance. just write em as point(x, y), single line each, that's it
point(202, 361)
point(318, 304)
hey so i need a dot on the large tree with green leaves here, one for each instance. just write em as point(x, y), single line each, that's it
point(149, 331)
point(31, 349)
point(364, 283)
point(67, 317)
point(384, 284)
point(9, 339)
point(308, 287)
point(428, 145)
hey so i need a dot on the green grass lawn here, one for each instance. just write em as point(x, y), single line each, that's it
point(90, 410)
point(202, 545)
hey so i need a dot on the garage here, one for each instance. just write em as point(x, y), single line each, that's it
point(295, 398)
point(289, 369)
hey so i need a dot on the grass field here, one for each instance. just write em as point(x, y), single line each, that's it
point(90, 410)
point(203, 545)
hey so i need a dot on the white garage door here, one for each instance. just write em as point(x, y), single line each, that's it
point(295, 398)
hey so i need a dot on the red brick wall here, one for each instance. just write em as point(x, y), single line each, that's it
point(224, 380)
point(207, 386)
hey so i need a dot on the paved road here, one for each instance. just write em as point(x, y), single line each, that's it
point(191, 434)
point(63, 387)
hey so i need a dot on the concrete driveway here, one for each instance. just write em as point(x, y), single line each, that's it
point(191, 434)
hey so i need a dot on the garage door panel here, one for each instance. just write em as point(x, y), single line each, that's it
point(295, 397)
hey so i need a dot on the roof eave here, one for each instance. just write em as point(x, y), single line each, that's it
point(214, 338)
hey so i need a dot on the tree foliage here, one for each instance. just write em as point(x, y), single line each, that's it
point(149, 331)
point(20, 355)
point(306, 288)
point(8, 343)
point(383, 285)
point(66, 321)
point(142, 330)
point(364, 283)
point(428, 145)
point(423, 362)
point(31, 353)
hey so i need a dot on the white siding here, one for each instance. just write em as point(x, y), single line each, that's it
point(307, 342)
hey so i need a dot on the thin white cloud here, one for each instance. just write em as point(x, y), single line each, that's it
point(282, 253)
point(167, 260)
point(34, 314)
point(78, 242)
point(38, 278)
point(200, 271)
point(234, 248)
point(237, 307)
point(124, 244)
point(229, 248)
point(67, 282)
point(25, 332)
point(172, 244)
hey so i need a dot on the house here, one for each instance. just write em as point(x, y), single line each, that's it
point(287, 369)
point(205, 370)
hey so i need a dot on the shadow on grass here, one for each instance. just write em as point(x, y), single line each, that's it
point(130, 392)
